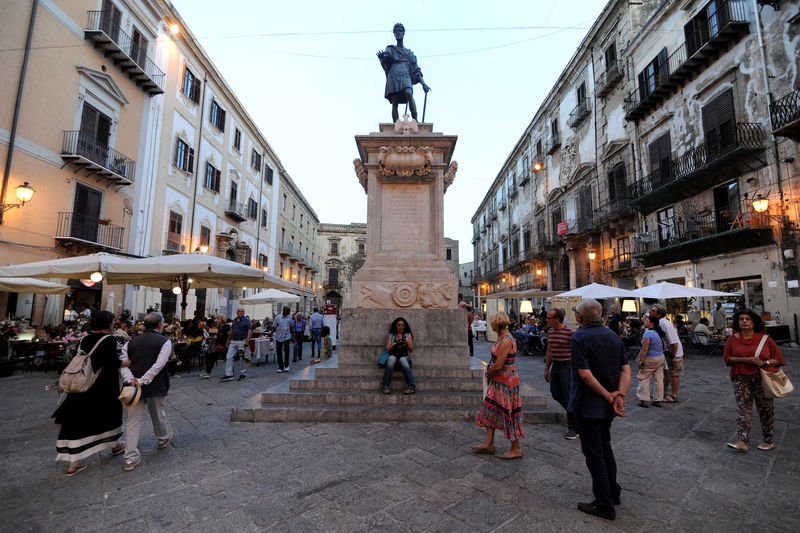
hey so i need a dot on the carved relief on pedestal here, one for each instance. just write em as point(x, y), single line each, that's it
point(450, 174)
point(361, 172)
point(434, 295)
point(405, 160)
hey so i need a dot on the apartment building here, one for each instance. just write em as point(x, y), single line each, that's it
point(666, 151)
point(89, 83)
point(338, 244)
point(297, 228)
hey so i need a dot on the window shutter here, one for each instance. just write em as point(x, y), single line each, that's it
point(196, 84)
point(190, 164)
point(643, 84)
point(177, 159)
point(216, 180)
point(663, 67)
point(221, 120)
point(655, 160)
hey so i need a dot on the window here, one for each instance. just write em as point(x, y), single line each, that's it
point(184, 156)
point(294, 210)
point(653, 74)
point(526, 239)
point(191, 86)
point(174, 231)
point(334, 248)
point(624, 252)
point(268, 174)
point(212, 178)
point(217, 116)
point(237, 139)
point(554, 128)
point(362, 248)
point(525, 168)
point(263, 218)
point(616, 183)
point(234, 194)
point(333, 276)
point(262, 260)
point(581, 93)
point(556, 219)
point(660, 161)
point(255, 161)
point(719, 123)
point(301, 220)
point(252, 209)
point(283, 236)
point(284, 203)
point(205, 235)
point(727, 205)
point(94, 135)
point(611, 55)
point(539, 148)
point(666, 226)
point(448, 254)
point(139, 48)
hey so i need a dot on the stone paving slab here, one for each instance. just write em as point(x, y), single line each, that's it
point(219, 475)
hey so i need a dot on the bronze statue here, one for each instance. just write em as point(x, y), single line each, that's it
point(402, 72)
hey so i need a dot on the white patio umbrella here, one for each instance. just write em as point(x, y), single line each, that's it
point(598, 291)
point(190, 271)
point(53, 310)
point(212, 301)
point(666, 290)
point(270, 296)
point(81, 267)
point(33, 285)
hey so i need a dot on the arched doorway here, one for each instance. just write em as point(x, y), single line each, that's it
point(335, 298)
point(564, 273)
point(230, 255)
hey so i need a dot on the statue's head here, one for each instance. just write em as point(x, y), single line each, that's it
point(399, 29)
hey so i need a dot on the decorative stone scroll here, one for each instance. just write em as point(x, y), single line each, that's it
point(361, 172)
point(428, 295)
point(450, 174)
point(405, 160)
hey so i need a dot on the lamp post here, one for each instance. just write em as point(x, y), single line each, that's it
point(24, 194)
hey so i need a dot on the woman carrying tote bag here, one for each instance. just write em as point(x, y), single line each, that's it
point(747, 352)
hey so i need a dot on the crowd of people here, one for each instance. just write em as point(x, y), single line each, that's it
point(589, 374)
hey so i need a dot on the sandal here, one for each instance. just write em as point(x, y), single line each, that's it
point(72, 470)
point(410, 390)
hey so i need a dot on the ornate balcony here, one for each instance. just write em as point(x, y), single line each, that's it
point(701, 168)
point(618, 263)
point(785, 115)
point(578, 114)
point(501, 204)
point(86, 152)
point(237, 211)
point(704, 234)
point(332, 285)
point(553, 143)
point(692, 57)
point(608, 79)
point(79, 231)
point(128, 55)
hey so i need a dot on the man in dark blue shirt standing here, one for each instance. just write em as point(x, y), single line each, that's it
point(600, 379)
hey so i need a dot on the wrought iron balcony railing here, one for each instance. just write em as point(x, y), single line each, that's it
point(85, 151)
point(129, 55)
point(785, 114)
point(608, 79)
point(236, 211)
point(84, 230)
point(553, 142)
point(578, 114)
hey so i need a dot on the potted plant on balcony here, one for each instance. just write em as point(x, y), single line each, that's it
point(105, 221)
point(9, 329)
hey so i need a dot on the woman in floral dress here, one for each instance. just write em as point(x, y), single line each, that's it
point(502, 406)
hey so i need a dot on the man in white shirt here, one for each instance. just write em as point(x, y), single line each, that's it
point(148, 354)
point(673, 370)
point(720, 320)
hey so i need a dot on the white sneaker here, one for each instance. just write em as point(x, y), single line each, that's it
point(286, 369)
point(280, 371)
point(205, 375)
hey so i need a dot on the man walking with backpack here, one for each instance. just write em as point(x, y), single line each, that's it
point(148, 354)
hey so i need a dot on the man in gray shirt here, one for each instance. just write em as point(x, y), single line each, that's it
point(315, 324)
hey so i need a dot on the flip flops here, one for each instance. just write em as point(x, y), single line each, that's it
point(670, 399)
point(72, 470)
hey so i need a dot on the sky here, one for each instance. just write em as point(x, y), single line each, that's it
point(307, 73)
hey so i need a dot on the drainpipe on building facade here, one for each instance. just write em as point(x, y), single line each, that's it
point(596, 161)
point(13, 136)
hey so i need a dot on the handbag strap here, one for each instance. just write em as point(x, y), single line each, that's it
point(104, 337)
point(761, 345)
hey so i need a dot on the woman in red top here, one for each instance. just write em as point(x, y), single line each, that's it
point(740, 355)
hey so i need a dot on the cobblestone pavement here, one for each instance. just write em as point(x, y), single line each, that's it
point(676, 472)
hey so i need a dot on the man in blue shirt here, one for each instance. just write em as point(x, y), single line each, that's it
point(239, 339)
point(600, 380)
point(315, 324)
point(283, 335)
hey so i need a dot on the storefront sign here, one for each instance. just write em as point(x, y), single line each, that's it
point(87, 283)
point(562, 228)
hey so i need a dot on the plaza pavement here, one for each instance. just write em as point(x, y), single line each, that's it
point(675, 470)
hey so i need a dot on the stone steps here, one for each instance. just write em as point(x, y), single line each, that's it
point(420, 371)
point(376, 397)
point(371, 383)
point(378, 413)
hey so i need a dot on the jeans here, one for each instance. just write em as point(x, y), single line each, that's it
point(233, 347)
point(282, 353)
point(405, 366)
point(596, 447)
point(560, 376)
point(297, 336)
point(316, 339)
point(133, 424)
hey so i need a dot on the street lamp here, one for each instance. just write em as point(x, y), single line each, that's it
point(97, 277)
point(203, 248)
point(24, 194)
point(592, 255)
point(760, 204)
